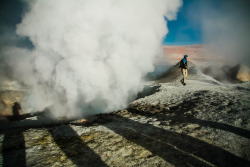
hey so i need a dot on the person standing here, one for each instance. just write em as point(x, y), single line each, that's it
point(183, 65)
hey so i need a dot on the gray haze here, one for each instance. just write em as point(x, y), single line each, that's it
point(226, 26)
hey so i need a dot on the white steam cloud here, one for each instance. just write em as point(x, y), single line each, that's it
point(89, 56)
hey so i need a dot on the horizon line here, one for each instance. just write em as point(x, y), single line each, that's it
point(181, 43)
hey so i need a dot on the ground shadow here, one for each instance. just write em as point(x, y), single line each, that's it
point(147, 91)
point(14, 144)
point(189, 105)
point(179, 118)
point(221, 126)
point(16, 109)
point(177, 149)
point(14, 150)
point(74, 148)
point(70, 143)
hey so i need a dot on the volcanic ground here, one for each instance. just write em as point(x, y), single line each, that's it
point(205, 123)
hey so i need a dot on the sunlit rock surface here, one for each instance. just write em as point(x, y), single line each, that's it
point(11, 93)
point(241, 73)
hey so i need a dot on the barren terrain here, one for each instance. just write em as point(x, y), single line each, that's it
point(205, 123)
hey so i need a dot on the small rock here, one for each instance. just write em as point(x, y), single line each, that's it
point(192, 126)
point(238, 122)
point(127, 152)
point(62, 158)
point(145, 153)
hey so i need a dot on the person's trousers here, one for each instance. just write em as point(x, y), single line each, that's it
point(184, 73)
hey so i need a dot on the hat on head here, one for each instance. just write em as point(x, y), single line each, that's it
point(185, 56)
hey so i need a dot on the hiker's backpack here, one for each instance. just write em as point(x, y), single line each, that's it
point(181, 64)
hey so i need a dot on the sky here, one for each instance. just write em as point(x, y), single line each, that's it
point(222, 22)
point(190, 27)
point(187, 28)
point(11, 12)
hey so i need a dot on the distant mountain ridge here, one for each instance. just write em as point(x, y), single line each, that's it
point(197, 53)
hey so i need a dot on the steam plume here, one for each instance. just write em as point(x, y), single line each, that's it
point(89, 56)
point(226, 29)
